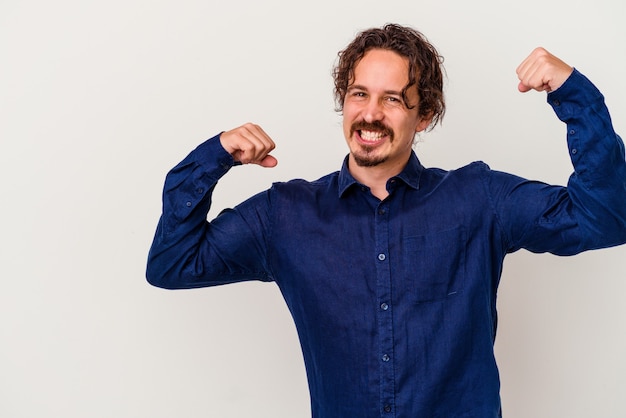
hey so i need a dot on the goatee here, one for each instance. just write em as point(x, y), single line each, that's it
point(364, 158)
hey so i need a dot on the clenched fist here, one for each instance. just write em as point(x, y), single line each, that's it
point(249, 144)
point(542, 71)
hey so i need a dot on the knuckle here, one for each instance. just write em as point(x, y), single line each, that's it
point(247, 147)
point(249, 126)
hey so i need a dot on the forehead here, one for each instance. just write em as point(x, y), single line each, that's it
point(382, 66)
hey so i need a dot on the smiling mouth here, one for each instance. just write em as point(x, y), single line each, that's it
point(371, 136)
point(371, 133)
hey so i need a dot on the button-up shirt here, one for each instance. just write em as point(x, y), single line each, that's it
point(394, 301)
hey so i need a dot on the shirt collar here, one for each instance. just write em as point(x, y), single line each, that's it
point(410, 175)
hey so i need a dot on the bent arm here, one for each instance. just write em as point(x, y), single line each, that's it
point(590, 212)
point(187, 251)
point(598, 185)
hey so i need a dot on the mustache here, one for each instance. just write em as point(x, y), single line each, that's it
point(377, 126)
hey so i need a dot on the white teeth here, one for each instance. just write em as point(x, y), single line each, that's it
point(371, 135)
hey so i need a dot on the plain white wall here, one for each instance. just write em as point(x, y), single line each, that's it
point(99, 99)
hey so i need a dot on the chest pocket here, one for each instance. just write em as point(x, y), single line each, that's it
point(433, 265)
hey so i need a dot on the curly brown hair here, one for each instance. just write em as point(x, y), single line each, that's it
point(425, 66)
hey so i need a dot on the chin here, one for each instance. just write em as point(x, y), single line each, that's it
point(368, 160)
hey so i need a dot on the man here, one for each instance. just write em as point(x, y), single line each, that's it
point(390, 269)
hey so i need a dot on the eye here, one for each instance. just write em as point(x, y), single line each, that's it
point(393, 100)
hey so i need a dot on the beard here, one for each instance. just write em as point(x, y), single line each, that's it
point(365, 157)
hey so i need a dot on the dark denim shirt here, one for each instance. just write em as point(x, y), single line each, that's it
point(394, 301)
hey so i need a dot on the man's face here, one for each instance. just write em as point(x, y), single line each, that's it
point(377, 125)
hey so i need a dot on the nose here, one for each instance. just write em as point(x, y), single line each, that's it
point(373, 111)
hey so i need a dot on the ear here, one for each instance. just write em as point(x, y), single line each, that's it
point(423, 123)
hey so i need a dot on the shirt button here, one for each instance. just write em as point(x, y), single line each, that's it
point(381, 257)
point(574, 151)
point(381, 212)
point(572, 132)
point(387, 408)
point(385, 358)
point(188, 204)
point(384, 306)
point(557, 103)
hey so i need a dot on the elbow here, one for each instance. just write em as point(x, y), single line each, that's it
point(163, 272)
point(156, 277)
point(160, 275)
point(163, 266)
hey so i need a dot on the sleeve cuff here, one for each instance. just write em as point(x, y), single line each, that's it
point(210, 154)
point(576, 93)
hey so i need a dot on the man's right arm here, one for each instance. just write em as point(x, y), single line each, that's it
point(187, 251)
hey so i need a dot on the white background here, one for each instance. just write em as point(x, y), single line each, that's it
point(98, 100)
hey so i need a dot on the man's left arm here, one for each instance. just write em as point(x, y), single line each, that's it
point(597, 187)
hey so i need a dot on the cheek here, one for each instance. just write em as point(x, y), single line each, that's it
point(349, 117)
point(348, 111)
point(346, 128)
point(411, 124)
point(346, 123)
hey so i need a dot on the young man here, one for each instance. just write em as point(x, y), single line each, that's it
point(390, 269)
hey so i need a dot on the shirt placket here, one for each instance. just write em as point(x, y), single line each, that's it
point(384, 312)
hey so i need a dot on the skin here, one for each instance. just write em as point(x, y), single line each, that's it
point(375, 98)
point(380, 152)
point(542, 71)
point(249, 144)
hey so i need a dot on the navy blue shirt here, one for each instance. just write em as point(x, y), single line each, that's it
point(394, 301)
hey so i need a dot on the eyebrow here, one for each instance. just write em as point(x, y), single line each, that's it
point(360, 87)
